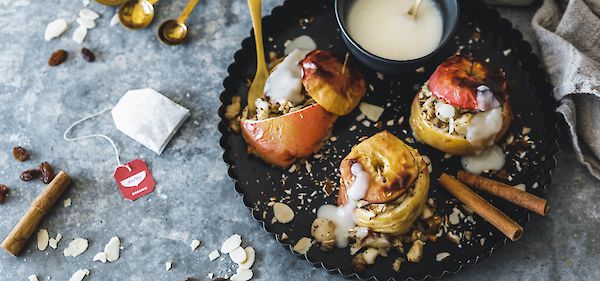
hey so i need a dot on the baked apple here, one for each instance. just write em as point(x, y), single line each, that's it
point(397, 183)
point(463, 108)
point(331, 82)
point(288, 123)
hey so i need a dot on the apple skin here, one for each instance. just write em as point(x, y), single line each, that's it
point(456, 80)
point(283, 139)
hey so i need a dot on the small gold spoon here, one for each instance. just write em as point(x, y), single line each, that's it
point(137, 14)
point(174, 31)
point(414, 9)
point(260, 78)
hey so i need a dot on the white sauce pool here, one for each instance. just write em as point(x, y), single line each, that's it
point(486, 99)
point(490, 159)
point(285, 82)
point(384, 28)
point(343, 216)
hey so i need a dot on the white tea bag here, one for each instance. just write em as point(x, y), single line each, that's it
point(149, 118)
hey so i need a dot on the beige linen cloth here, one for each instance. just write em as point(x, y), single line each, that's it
point(569, 36)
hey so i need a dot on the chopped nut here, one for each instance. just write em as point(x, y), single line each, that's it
point(242, 274)
point(303, 245)
point(416, 251)
point(442, 256)
point(397, 263)
point(195, 244)
point(250, 257)
point(238, 255)
point(168, 266)
point(42, 239)
point(214, 255)
point(20, 154)
point(76, 247)
point(358, 263)
point(370, 255)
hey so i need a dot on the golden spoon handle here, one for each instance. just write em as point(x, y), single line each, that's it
point(261, 66)
point(187, 11)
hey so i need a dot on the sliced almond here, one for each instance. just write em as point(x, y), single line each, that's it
point(373, 112)
point(242, 274)
point(250, 257)
point(80, 274)
point(112, 250)
point(79, 34)
point(100, 257)
point(55, 28)
point(303, 245)
point(67, 203)
point(238, 255)
point(53, 243)
point(87, 23)
point(195, 244)
point(231, 243)
point(283, 213)
point(442, 256)
point(168, 265)
point(369, 255)
point(76, 247)
point(214, 255)
point(58, 237)
point(42, 239)
point(33, 278)
point(88, 14)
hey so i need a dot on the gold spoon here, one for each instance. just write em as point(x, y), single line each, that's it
point(258, 84)
point(174, 31)
point(137, 14)
point(414, 9)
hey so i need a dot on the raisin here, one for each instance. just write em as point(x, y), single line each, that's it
point(219, 279)
point(3, 192)
point(88, 55)
point(46, 173)
point(20, 154)
point(57, 58)
point(29, 174)
point(191, 279)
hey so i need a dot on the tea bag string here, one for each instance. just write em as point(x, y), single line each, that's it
point(69, 139)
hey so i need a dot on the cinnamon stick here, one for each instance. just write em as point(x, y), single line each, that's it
point(505, 191)
point(482, 207)
point(18, 237)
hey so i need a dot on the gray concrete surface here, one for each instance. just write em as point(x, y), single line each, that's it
point(194, 198)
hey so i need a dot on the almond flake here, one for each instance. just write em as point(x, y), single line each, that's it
point(79, 34)
point(195, 244)
point(372, 112)
point(76, 247)
point(214, 255)
point(112, 249)
point(242, 274)
point(303, 245)
point(87, 23)
point(250, 257)
point(33, 278)
point(442, 256)
point(100, 257)
point(42, 239)
point(55, 28)
point(238, 255)
point(79, 275)
point(53, 243)
point(283, 213)
point(231, 244)
point(67, 203)
point(168, 265)
point(88, 14)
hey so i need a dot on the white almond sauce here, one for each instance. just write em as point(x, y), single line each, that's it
point(384, 28)
point(484, 126)
point(285, 82)
point(490, 159)
point(486, 99)
point(343, 216)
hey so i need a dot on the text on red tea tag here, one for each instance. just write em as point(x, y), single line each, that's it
point(134, 179)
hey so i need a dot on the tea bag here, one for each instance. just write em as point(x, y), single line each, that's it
point(149, 118)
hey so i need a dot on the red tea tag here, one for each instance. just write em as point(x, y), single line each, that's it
point(134, 179)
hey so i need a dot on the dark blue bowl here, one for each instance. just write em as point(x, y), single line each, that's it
point(450, 12)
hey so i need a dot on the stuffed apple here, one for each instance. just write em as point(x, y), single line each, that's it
point(463, 108)
point(289, 123)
